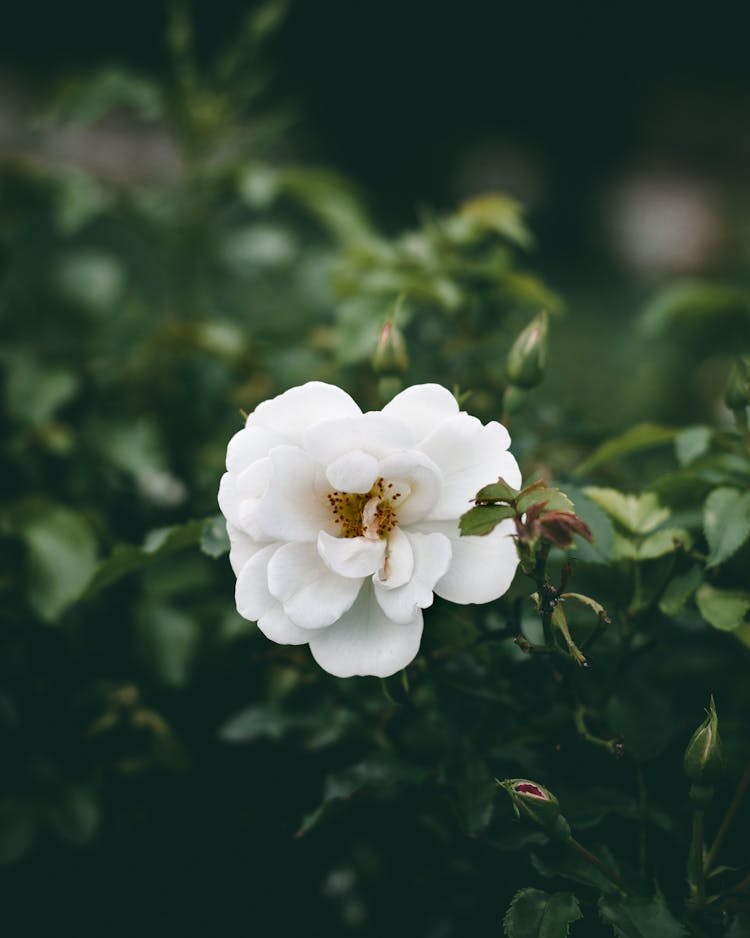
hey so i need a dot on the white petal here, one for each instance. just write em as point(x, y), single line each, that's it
point(469, 456)
point(351, 556)
point(253, 481)
point(371, 432)
point(482, 568)
point(423, 479)
point(241, 548)
point(292, 508)
point(251, 592)
point(399, 564)
point(292, 412)
point(277, 626)
point(254, 601)
point(249, 445)
point(432, 557)
point(230, 501)
point(353, 472)
point(364, 641)
point(422, 408)
point(251, 485)
point(311, 595)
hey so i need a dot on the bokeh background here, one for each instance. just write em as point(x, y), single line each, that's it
point(167, 257)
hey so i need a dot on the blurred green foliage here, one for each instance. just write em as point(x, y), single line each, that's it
point(164, 767)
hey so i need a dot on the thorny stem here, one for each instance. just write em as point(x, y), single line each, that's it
point(547, 593)
point(603, 867)
point(727, 821)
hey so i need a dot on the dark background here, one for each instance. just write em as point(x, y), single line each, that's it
point(407, 97)
point(420, 104)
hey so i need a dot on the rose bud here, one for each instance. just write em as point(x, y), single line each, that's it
point(533, 801)
point(527, 358)
point(704, 760)
point(390, 352)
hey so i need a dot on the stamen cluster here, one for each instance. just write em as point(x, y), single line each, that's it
point(372, 514)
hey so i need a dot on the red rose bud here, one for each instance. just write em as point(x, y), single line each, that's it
point(533, 801)
point(527, 358)
point(704, 760)
point(390, 352)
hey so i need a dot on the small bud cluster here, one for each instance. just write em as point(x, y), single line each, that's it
point(544, 517)
point(538, 511)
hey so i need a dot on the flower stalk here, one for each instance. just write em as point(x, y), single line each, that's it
point(537, 804)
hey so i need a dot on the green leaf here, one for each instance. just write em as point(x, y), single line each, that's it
point(331, 199)
point(724, 609)
point(679, 590)
point(90, 279)
point(555, 499)
point(695, 303)
point(595, 606)
point(136, 448)
point(36, 391)
point(587, 807)
point(640, 918)
point(90, 99)
point(483, 518)
point(638, 514)
point(379, 771)
point(494, 213)
point(79, 199)
point(476, 789)
point(168, 640)
point(691, 443)
point(726, 520)
point(643, 436)
point(127, 558)
point(18, 828)
point(536, 914)
point(262, 721)
point(662, 542)
point(62, 559)
point(740, 927)
point(525, 290)
point(75, 814)
point(498, 491)
point(602, 549)
point(556, 859)
point(214, 539)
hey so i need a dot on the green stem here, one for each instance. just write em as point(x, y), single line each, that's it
point(603, 867)
point(613, 746)
point(547, 593)
point(696, 873)
point(729, 817)
point(642, 814)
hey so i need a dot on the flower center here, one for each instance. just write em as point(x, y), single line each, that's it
point(371, 515)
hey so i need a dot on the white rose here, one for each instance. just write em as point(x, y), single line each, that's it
point(343, 525)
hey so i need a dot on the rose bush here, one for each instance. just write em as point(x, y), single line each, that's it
point(343, 524)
